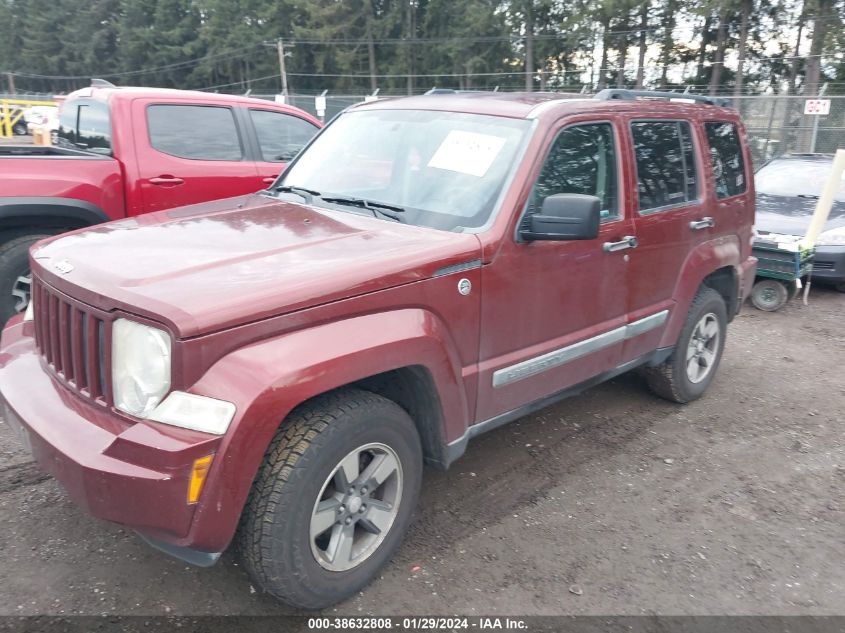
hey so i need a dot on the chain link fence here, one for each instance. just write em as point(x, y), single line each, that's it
point(776, 124)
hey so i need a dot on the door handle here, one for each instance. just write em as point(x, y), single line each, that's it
point(629, 241)
point(269, 179)
point(166, 180)
point(703, 223)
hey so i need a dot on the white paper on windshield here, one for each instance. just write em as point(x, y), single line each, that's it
point(467, 152)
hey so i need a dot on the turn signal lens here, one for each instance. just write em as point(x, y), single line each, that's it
point(198, 474)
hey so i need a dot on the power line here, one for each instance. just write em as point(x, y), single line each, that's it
point(143, 71)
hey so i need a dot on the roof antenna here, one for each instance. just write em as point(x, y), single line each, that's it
point(687, 89)
point(102, 83)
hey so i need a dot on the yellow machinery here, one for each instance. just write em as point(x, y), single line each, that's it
point(11, 111)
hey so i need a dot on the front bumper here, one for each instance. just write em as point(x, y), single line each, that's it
point(829, 264)
point(132, 473)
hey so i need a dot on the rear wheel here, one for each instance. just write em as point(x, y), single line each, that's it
point(687, 373)
point(19, 129)
point(769, 295)
point(15, 276)
point(333, 498)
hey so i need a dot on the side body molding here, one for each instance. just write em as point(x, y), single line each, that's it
point(268, 379)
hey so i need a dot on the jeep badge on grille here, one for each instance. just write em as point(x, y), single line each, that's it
point(63, 266)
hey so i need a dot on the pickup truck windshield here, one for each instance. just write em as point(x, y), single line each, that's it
point(444, 169)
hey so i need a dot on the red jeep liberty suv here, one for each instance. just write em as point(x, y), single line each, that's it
point(273, 370)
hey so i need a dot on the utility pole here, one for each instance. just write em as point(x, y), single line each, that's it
point(11, 77)
point(280, 47)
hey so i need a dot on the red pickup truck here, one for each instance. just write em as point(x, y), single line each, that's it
point(126, 151)
point(273, 370)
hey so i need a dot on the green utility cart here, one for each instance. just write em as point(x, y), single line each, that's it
point(782, 263)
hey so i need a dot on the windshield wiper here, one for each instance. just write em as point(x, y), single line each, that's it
point(307, 194)
point(376, 208)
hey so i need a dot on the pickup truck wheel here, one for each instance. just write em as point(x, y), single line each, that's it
point(15, 276)
point(687, 373)
point(332, 499)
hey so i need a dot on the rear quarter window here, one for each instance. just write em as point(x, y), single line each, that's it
point(726, 158)
point(195, 132)
point(280, 136)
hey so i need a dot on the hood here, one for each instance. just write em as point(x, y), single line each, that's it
point(790, 215)
point(215, 265)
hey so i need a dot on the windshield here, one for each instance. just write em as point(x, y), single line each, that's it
point(440, 169)
point(795, 177)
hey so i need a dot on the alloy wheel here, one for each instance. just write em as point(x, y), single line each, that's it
point(356, 507)
point(703, 348)
point(22, 291)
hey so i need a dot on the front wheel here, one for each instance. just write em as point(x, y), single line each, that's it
point(687, 373)
point(332, 499)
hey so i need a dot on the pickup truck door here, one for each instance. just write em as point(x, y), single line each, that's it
point(189, 153)
point(553, 312)
point(670, 219)
point(279, 137)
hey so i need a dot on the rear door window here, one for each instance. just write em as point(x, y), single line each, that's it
point(666, 169)
point(194, 132)
point(280, 136)
point(726, 157)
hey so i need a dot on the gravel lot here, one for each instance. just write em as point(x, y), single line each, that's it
point(613, 502)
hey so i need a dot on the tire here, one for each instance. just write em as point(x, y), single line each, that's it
point(20, 129)
point(15, 277)
point(840, 286)
point(769, 295)
point(671, 379)
point(301, 474)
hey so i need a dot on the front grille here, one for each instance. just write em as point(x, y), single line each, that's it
point(71, 339)
point(822, 265)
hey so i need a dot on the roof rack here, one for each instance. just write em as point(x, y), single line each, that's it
point(630, 95)
point(102, 83)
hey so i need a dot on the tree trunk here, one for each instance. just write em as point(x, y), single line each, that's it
point(668, 41)
point(742, 46)
point(793, 68)
point(813, 72)
point(643, 43)
point(529, 48)
point(702, 49)
point(605, 44)
point(412, 31)
point(622, 38)
point(718, 61)
point(371, 46)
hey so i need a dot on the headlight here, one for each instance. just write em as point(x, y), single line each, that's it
point(140, 366)
point(833, 237)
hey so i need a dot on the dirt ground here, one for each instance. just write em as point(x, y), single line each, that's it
point(613, 502)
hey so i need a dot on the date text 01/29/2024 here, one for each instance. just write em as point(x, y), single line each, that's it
point(418, 623)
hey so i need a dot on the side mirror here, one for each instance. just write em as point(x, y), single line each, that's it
point(564, 216)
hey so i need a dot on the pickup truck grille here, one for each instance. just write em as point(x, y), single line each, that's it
point(71, 339)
